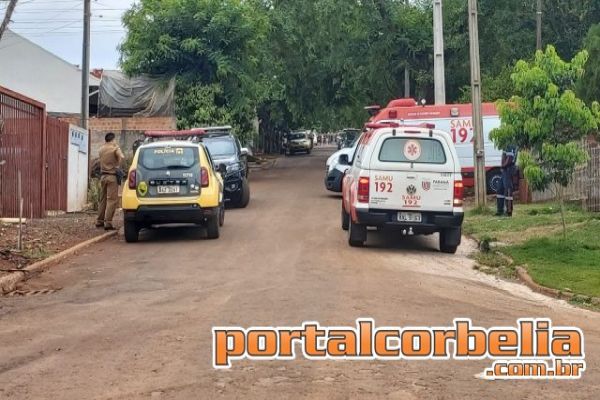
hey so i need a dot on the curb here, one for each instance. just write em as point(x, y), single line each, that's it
point(528, 281)
point(9, 282)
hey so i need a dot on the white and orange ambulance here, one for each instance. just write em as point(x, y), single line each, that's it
point(456, 119)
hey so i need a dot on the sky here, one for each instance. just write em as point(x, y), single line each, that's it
point(57, 25)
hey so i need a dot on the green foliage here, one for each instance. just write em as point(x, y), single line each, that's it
point(317, 63)
point(212, 46)
point(545, 119)
point(588, 87)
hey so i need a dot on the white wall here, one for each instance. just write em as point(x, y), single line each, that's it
point(28, 69)
point(78, 162)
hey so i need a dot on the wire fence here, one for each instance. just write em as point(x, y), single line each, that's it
point(585, 187)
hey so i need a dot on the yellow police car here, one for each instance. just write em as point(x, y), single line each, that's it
point(171, 182)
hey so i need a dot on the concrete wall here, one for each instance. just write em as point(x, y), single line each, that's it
point(127, 130)
point(33, 71)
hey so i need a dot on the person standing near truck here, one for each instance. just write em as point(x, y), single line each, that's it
point(111, 158)
point(504, 196)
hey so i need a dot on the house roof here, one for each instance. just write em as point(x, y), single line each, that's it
point(9, 34)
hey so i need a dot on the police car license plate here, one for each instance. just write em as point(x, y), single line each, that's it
point(410, 217)
point(168, 189)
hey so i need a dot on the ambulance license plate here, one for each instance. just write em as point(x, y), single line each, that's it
point(167, 189)
point(410, 217)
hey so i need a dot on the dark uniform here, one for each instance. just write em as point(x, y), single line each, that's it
point(111, 157)
point(504, 197)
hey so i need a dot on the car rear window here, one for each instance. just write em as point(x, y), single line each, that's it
point(220, 147)
point(169, 157)
point(409, 150)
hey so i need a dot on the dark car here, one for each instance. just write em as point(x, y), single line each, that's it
point(347, 138)
point(224, 148)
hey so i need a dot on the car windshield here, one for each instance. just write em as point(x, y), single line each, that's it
point(168, 157)
point(220, 147)
point(426, 151)
point(295, 136)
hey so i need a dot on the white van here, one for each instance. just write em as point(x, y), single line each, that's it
point(457, 120)
point(407, 180)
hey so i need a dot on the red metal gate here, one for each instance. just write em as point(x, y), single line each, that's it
point(57, 134)
point(22, 144)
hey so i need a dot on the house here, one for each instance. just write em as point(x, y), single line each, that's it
point(33, 71)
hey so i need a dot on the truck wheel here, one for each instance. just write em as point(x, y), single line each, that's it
point(357, 234)
point(212, 226)
point(245, 197)
point(493, 181)
point(132, 232)
point(450, 240)
point(345, 219)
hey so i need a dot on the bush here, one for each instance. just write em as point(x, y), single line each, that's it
point(94, 193)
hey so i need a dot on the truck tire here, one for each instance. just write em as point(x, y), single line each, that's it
point(450, 240)
point(357, 234)
point(132, 231)
point(245, 196)
point(212, 226)
point(345, 219)
point(493, 179)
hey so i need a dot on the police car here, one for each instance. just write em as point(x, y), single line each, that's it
point(173, 181)
point(405, 179)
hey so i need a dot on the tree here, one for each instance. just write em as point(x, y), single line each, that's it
point(546, 121)
point(588, 86)
point(211, 46)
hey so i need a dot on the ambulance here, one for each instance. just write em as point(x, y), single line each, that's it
point(457, 120)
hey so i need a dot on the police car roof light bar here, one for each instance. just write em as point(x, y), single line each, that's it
point(174, 134)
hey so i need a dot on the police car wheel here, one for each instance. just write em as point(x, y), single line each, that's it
point(212, 226)
point(245, 196)
point(132, 232)
point(222, 215)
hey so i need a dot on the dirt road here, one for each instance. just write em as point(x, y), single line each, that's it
point(134, 321)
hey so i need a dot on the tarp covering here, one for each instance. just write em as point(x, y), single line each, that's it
point(140, 96)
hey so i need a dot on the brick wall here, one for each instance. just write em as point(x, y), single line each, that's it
point(127, 130)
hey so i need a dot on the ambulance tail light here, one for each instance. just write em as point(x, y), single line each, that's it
point(132, 179)
point(204, 177)
point(459, 191)
point(363, 190)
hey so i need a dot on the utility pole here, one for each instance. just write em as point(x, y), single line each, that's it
point(85, 65)
point(438, 52)
point(478, 144)
point(539, 25)
point(7, 16)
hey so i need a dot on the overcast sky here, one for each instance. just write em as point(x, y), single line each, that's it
point(57, 26)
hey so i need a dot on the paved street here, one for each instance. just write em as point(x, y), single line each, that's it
point(134, 321)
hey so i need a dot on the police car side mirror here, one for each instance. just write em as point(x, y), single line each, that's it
point(244, 151)
point(344, 160)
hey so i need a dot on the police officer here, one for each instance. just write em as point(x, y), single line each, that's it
point(504, 197)
point(111, 157)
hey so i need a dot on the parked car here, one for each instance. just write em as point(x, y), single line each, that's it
point(406, 180)
point(173, 181)
point(334, 171)
point(347, 137)
point(225, 148)
point(298, 141)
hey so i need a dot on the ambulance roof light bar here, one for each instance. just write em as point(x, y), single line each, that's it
point(391, 124)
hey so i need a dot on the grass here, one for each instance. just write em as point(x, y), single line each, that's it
point(571, 264)
point(533, 238)
point(530, 220)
